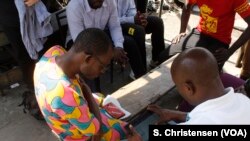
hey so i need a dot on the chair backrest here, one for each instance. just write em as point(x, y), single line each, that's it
point(60, 25)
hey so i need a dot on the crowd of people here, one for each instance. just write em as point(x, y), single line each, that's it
point(105, 31)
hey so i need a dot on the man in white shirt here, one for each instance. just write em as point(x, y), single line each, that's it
point(83, 14)
point(195, 73)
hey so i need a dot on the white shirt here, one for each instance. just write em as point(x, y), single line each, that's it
point(231, 108)
point(81, 16)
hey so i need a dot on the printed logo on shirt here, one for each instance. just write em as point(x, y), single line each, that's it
point(209, 23)
point(131, 31)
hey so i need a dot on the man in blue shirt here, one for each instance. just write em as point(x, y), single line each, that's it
point(136, 24)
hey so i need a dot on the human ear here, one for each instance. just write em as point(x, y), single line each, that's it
point(87, 58)
point(189, 88)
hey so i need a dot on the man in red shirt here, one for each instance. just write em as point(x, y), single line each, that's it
point(214, 29)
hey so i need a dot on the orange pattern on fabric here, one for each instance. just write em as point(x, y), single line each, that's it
point(209, 23)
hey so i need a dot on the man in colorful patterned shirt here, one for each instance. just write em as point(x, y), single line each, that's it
point(214, 29)
point(65, 100)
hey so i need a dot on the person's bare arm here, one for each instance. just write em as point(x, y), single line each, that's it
point(93, 107)
point(222, 55)
point(186, 11)
point(167, 115)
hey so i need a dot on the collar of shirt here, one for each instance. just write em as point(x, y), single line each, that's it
point(88, 8)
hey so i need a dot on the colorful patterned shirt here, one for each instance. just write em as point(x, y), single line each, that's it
point(64, 107)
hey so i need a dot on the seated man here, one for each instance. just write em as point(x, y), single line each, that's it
point(83, 14)
point(195, 73)
point(135, 24)
point(66, 102)
point(211, 33)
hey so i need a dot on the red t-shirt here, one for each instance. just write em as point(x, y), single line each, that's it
point(217, 16)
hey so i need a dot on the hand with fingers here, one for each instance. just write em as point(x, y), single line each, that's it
point(137, 18)
point(120, 56)
point(30, 2)
point(134, 136)
point(141, 19)
point(178, 38)
point(167, 115)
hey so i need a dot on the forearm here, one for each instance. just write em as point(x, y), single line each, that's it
point(186, 11)
point(87, 94)
point(245, 36)
point(127, 20)
point(179, 116)
point(93, 107)
point(117, 37)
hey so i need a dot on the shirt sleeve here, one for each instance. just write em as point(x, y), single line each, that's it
point(74, 19)
point(191, 1)
point(72, 107)
point(128, 17)
point(242, 7)
point(114, 26)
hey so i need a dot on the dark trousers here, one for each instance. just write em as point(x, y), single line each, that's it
point(134, 36)
point(9, 21)
point(155, 28)
point(19, 53)
point(193, 39)
point(134, 55)
point(141, 5)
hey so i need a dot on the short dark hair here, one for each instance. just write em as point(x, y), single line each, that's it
point(92, 41)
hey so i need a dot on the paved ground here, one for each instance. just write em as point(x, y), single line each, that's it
point(17, 126)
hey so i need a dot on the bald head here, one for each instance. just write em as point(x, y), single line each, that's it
point(195, 72)
point(195, 64)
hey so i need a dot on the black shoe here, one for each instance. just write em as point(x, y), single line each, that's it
point(30, 104)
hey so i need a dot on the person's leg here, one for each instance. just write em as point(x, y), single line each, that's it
point(134, 56)
point(19, 53)
point(212, 45)
point(229, 80)
point(156, 27)
point(137, 32)
point(190, 40)
point(245, 71)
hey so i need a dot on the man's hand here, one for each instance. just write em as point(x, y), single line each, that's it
point(222, 55)
point(137, 19)
point(30, 2)
point(141, 19)
point(120, 56)
point(134, 136)
point(163, 113)
point(178, 38)
point(167, 115)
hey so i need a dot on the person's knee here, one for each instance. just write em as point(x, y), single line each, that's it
point(155, 21)
point(130, 45)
